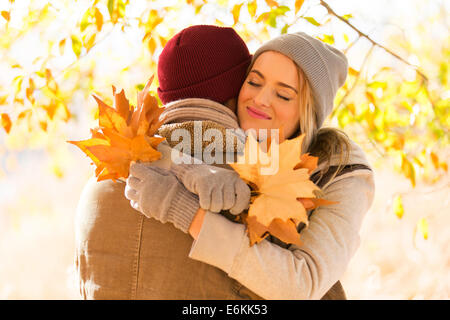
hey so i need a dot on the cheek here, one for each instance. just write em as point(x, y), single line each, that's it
point(244, 96)
point(288, 113)
point(245, 121)
point(240, 107)
point(289, 117)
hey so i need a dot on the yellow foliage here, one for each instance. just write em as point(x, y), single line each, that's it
point(278, 206)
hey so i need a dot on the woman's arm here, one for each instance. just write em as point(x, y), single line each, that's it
point(305, 272)
point(197, 222)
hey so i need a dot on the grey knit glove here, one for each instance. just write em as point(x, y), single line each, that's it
point(217, 188)
point(158, 194)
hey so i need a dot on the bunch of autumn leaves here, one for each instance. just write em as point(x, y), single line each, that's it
point(124, 134)
point(279, 202)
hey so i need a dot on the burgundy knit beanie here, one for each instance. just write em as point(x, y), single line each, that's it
point(203, 61)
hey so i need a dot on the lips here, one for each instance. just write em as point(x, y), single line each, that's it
point(257, 114)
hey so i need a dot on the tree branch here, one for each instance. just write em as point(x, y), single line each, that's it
point(361, 34)
point(369, 52)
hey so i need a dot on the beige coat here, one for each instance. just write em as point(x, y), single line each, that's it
point(121, 254)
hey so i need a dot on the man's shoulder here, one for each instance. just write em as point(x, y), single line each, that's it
point(100, 189)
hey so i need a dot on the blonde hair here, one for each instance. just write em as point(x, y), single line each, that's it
point(323, 143)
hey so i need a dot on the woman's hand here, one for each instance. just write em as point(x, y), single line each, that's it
point(158, 194)
point(217, 188)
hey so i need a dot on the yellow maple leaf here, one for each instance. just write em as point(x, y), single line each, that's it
point(124, 134)
point(278, 192)
point(278, 204)
point(286, 231)
point(278, 196)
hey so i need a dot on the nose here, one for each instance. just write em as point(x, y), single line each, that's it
point(263, 97)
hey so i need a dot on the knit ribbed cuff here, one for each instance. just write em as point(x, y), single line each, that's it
point(183, 209)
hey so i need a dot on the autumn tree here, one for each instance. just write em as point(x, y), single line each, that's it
point(56, 54)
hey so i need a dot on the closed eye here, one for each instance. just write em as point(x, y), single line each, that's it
point(253, 84)
point(284, 98)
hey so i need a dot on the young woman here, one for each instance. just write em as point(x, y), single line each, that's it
point(292, 82)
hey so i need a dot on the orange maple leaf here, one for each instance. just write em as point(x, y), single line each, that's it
point(278, 204)
point(124, 134)
point(6, 122)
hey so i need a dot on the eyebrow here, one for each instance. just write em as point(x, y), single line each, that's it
point(282, 84)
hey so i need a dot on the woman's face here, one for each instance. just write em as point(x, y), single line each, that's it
point(269, 97)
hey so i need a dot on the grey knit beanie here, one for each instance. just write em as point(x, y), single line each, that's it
point(325, 67)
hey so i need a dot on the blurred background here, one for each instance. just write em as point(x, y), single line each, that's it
point(395, 104)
